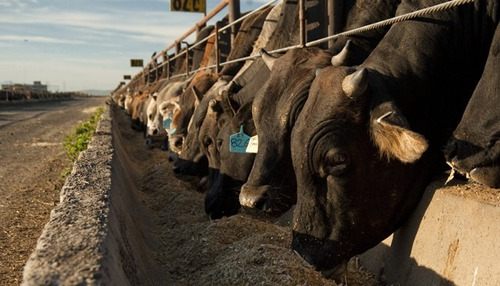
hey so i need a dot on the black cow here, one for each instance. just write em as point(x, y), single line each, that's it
point(272, 179)
point(360, 169)
point(228, 170)
point(275, 108)
point(474, 149)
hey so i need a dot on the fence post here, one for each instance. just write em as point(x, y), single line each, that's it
point(335, 17)
point(166, 65)
point(216, 44)
point(302, 23)
point(177, 47)
point(234, 14)
point(187, 57)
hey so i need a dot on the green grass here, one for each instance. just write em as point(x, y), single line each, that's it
point(78, 141)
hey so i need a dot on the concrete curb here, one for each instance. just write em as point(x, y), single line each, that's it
point(71, 248)
point(93, 237)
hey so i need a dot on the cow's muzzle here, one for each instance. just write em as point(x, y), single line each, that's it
point(255, 197)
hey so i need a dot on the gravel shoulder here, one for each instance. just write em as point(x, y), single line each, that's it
point(32, 159)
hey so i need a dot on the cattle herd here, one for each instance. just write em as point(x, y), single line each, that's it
point(348, 135)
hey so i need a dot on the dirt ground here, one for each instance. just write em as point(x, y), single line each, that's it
point(31, 160)
point(194, 250)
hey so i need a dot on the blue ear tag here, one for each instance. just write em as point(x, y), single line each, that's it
point(238, 142)
point(167, 122)
point(172, 131)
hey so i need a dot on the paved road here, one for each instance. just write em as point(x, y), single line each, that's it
point(31, 160)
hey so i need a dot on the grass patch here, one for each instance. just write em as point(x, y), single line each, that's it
point(78, 141)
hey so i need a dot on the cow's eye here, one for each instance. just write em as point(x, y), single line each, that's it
point(336, 163)
point(207, 142)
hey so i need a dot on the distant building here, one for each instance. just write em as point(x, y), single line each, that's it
point(36, 86)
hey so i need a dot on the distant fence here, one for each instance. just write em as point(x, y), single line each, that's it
point(11, 96)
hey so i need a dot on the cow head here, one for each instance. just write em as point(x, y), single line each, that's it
point(188, 101)
point(229, 170)
point(192, 161)
point(352, 159)
point(271, 184)
point(151, 114)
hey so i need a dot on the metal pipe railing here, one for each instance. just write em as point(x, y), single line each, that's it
point(390, 21)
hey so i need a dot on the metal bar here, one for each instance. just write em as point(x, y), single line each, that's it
point(390, 21)
point(216, 44)
point(203, 21)
point(240, 19)
point(302, 22)
point(234, 14)
point(187, 57)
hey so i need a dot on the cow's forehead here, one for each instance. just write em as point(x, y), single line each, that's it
point(326, 91)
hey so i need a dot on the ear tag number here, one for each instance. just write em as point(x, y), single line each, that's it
point(238, 142)
point(167, 122)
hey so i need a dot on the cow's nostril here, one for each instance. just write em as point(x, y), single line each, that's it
point(262, 203)
point(450, 150)
point(176, 169)
point(155, 132)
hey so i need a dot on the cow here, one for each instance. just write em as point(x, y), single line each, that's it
point(369, 138)
point(272, 178)
point(192, 162)
point(274, 106)
point(279, 30)
point(162, 108)
point(227, 170)
point(202, 81)
point(474, 148)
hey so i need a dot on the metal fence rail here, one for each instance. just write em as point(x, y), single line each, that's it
point(412, 15)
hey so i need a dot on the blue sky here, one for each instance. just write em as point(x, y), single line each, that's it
point(74, 45)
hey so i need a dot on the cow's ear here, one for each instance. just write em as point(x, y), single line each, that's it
point(392, 135)
point(229, 105)
point(198, 95)
point(341, 58)
point(267, 58)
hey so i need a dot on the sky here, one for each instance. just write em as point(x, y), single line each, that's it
point(74, 45)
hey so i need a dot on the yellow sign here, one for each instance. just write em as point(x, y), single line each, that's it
point(136, 63)
point(199, 6)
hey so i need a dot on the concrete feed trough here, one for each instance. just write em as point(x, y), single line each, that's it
point(123, 219)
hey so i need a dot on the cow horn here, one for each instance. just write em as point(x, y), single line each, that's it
point(355, 84)
point(318, 71)
point(341, 58)
point(267, 58)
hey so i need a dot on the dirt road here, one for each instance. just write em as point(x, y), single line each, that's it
point(31, 160)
